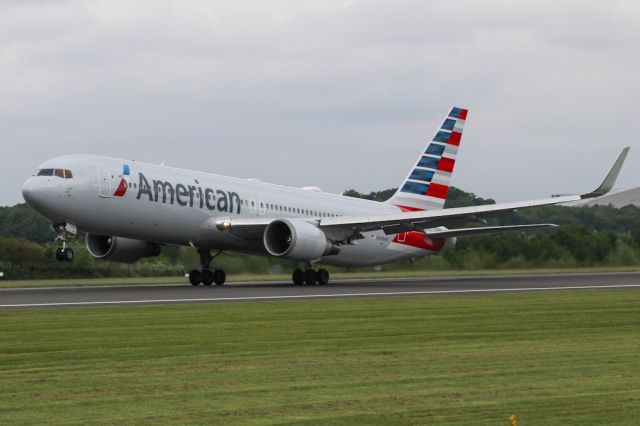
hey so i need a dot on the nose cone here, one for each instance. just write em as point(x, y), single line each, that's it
point(31, 193)
point(35, 193)
point(46, 198)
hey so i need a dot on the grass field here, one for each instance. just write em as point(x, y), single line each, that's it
point(68, 282)
point(547, 357)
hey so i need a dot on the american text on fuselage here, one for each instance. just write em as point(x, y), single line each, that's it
point(184, 195)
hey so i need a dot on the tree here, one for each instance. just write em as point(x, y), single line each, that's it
point(22, 221)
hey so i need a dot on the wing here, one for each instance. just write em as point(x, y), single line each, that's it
point(487, 230)
point(345, 228)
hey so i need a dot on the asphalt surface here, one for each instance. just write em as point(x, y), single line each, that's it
point(237, 292)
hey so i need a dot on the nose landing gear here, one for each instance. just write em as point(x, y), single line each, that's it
point(64, 253)
point(206, 276)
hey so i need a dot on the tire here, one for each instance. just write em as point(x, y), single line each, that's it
point(207, 277)
point(310, 277)
point(298, 277)
point(59, 255)
point(195, 277)
point(219, 277)
point(67, 255)
point(323, 277)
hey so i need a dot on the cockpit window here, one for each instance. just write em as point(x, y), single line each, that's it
point(62, 173)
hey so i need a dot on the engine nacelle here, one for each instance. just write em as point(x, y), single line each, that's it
point(297, 240)
point(119, 249)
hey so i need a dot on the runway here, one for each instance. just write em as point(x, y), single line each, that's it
point(238, 292)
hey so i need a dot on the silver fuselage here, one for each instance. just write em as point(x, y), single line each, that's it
point(179, 207)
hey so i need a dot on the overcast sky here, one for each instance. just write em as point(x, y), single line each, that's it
point(336, 94)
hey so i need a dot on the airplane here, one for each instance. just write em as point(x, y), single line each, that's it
point(129, 210)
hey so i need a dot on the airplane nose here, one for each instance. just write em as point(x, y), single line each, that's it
point(33, 193)
point(45, 199)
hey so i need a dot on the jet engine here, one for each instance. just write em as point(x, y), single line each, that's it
point(119, 249)
point(297, 240)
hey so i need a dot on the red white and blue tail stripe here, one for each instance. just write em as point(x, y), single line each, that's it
point(427, 184)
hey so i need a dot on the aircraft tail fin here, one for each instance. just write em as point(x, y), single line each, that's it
point(427, 184)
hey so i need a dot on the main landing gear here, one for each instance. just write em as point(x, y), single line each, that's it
point(310, 276)
point(206, 276)
point(64, 253)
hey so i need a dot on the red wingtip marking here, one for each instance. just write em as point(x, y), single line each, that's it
point(463, 114)
point(122, 188)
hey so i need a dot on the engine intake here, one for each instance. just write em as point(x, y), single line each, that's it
point(119, 249)
point(297, 240)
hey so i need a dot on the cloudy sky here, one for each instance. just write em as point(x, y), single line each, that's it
point(337, 94)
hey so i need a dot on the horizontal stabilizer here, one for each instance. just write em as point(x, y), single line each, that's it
point(487, 230)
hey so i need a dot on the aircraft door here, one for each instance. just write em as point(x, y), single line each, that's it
point(104, 183)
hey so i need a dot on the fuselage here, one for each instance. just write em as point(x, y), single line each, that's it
point(166, 205)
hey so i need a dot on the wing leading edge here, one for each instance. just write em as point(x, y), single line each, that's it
point(346, 228)
point(423, 220)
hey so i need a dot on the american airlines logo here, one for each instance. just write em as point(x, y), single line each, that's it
point(124, 182)
point(160, 191)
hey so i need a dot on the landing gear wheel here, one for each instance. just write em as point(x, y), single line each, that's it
point(310, 277)
point(64, 254)
point(207, 277)
point(298, 277)
point(323, 277)
point(67, 254)
point(62, 230)
point(219, 277)
point(195, 277)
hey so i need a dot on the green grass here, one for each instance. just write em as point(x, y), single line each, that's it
point(547, 357)
point(231, 278)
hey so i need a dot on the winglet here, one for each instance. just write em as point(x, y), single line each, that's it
point(610, 180)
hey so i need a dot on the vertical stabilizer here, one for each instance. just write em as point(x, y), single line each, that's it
point(427, 184)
